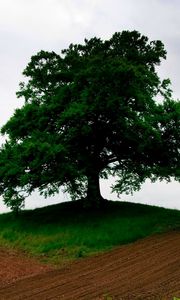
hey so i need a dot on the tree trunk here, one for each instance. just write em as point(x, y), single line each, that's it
point(94, 198)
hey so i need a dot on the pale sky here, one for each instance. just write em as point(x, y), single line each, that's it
point(33, 25)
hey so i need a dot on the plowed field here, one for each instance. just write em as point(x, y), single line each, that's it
point(146, 269)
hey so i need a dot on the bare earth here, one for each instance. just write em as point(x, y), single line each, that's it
point(146, 269)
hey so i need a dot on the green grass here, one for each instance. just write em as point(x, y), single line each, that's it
point(64, 232)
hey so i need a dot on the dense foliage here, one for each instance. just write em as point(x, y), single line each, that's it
point(90, 112)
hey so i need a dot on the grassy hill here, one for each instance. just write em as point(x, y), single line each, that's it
point(66, 231)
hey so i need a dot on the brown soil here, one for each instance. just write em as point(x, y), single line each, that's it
point(15, 265)
point(146, 269)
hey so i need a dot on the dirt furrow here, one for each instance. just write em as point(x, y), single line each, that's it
point(146, 269)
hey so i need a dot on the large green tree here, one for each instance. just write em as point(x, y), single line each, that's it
point(98, 109)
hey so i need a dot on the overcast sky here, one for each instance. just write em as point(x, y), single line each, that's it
point(32, 25)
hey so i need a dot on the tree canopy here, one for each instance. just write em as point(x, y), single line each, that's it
point(98, 109)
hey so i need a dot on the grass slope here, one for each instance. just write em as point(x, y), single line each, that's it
point(62, 232)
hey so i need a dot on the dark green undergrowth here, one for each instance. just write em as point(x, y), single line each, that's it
point(66, 231)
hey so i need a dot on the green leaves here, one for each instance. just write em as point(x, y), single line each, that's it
point(92, 112)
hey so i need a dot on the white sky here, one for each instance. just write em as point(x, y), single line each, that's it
point(32, 25)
